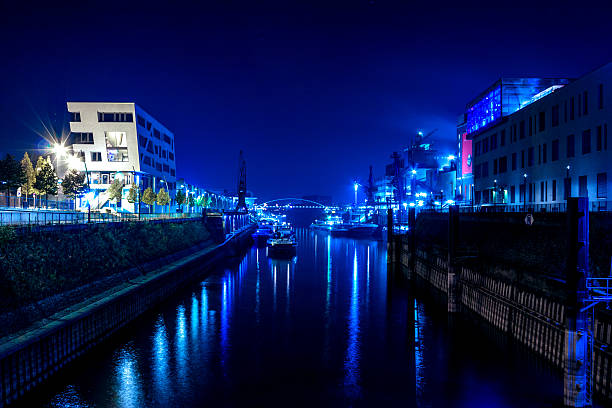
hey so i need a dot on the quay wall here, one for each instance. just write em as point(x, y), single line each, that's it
point(522, 303)
point(28, 360)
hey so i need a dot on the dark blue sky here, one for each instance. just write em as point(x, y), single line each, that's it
point(312, 92)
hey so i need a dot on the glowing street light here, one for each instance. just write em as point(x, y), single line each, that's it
point(59, 150)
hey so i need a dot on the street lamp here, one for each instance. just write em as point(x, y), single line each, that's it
point(356, 186)
point(494, 192)
point(525, 192)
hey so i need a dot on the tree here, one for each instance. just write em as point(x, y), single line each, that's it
point(190, 201)
point(11, 175)
point(73, 184)
point(206, 200)
point(27, 187)
point(163, 198)
point(46, 179)
point(180, 198)
point(115, 191)
point(149, 197)
point(133, 194)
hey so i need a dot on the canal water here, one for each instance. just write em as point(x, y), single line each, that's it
point(323, 329)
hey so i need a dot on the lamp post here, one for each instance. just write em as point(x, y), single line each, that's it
point(525, 192)
point(494, 193)
point(356, 187)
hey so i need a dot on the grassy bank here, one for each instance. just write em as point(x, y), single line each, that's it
point(37, 265)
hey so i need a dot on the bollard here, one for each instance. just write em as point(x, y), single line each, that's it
point(577, 384)
point(453, 278)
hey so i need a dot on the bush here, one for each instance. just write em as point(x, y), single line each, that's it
point(37, 265)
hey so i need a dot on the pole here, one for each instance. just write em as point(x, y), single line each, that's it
point(577, 382)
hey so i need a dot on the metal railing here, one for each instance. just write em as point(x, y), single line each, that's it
point(57, 217)
point(600, 289)
point(596, 206)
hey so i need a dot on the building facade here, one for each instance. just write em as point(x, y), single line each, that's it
point(120, 140)
point(553, 147)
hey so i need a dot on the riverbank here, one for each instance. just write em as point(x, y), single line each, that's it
point(37, 353)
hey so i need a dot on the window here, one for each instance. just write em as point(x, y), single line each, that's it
point(539, 154)
point(565, 112)
point(554, 190)
point(493, 141)
point(116, 146)
point(585, 103)
point(544, 153)
point(530, 126)
point(602, 185)
point(485, 145)
point(167, 139)
point(150, 147)
point(567, 188)
point(513, 161)
point(600, 96)
point(522, 159)
point(512, 193)
point(530, 157)
point(571, 146)
point(503, 164)
point(142, 141)
point(75, 116)
point(147, 160)
point(115, 117)
point(82, 138)
point(158, 166)
point(156, 133)
point(171, 156)
point(477, 149)
point(522, 129)
point(579, 105)
point(148, 125)
point(586, 141)
point(163, 153)
point(166, 168)
point(542, 120)
point(172, 172)
point(514, 132)
point(555, 116)
point(572, 108)
point(502, 138)
point(522, 193)
point(141, 121)
point(555, 150)
point(96, 156)
point(582, 186)
point(494, 166)
point(599, 139)
point(542, 194)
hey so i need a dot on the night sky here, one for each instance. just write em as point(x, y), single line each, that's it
point(313, 93)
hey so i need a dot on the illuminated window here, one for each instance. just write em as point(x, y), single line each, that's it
point(116, 146)
point(485, 111)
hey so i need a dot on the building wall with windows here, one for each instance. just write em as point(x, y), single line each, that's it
point(552, 148)
point(121, 140)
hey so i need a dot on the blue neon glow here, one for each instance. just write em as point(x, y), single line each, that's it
point(485, 111)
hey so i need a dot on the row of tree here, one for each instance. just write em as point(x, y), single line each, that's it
point(40, 180)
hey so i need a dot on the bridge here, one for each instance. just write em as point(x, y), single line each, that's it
point(292, 203)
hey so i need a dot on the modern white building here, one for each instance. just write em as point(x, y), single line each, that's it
point(554, 146)
point(121, 140)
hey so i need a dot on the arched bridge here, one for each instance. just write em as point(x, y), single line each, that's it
point(291, 203)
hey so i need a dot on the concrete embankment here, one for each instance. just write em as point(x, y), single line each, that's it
point(35, 355)
point(521, 302)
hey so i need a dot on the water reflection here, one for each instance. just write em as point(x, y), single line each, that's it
point(339, 339)
point(351, 366)
point(128, 383)
point(161, 358)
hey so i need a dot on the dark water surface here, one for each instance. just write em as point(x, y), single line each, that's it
point(322, 329)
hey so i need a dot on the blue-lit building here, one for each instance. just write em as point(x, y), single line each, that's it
point(536, 142)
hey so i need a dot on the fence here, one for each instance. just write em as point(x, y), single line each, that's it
point(13, 201)
point(596, 206)
point(57, 217)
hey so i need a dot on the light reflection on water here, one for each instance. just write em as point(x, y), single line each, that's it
point(339, 339)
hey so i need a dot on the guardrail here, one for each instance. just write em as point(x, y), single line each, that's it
point(57, 217)
point(600, 288)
